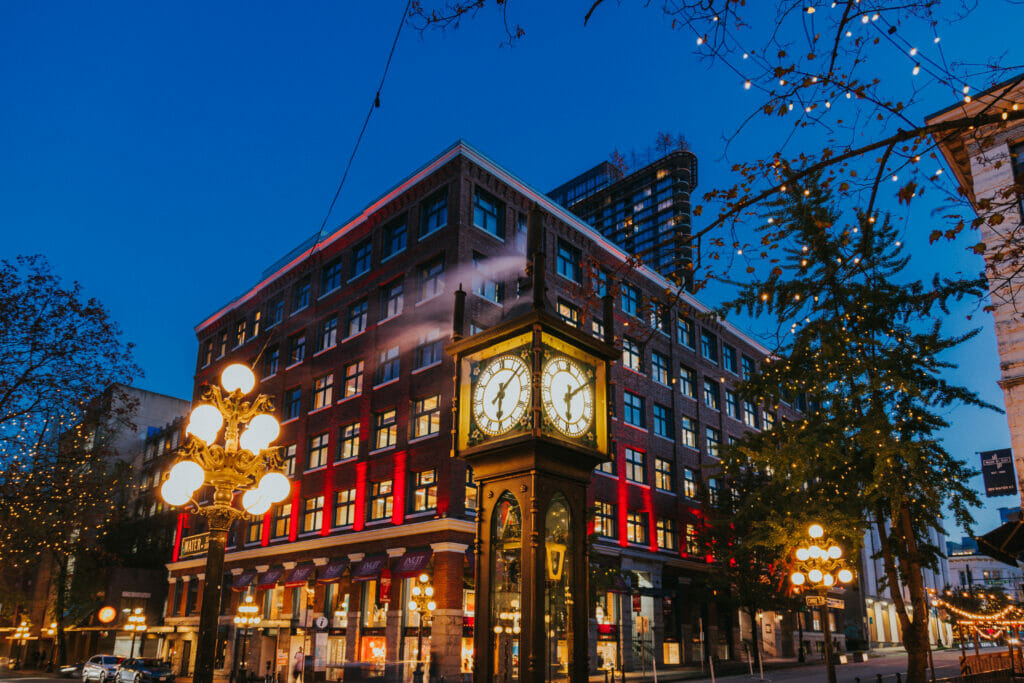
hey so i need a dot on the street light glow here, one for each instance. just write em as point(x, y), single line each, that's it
point(205, 422)
point(238, 377)
point(816, 531)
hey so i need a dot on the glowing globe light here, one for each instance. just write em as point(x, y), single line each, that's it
point(253, 500)
point(429, 591)
point(828, 579)
point(416, 591)
point(835, 552)
point(252, 442)
point(189, 473)
point(431, 606)
point(238, 377)
point(797, 579)
point(412, 605)
point(814, 575)
point(816, 531)
point(174, 493)
point(845, 575)
point(814, 552)
point(204, 422)
point(802, 554)
point(266, 426)
point(275, 487)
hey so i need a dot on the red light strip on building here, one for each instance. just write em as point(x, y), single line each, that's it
point(177, 535)
point(293, 520)
point(620, 467)
point(398, 490)
point(360, 521)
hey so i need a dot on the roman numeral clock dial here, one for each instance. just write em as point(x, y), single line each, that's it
point(567, 393)
point(501, 395)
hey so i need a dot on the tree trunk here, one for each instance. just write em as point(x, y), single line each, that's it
point(60, 599)
point(755, 636)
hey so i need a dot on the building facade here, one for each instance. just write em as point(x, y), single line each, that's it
point(971, 570)
point(346, 334)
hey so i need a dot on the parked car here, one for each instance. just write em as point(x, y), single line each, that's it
point(143, 671)
point(100, 668)
point(71, 670)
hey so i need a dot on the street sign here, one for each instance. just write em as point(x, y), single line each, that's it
point(194, 545)
point(815, 600)
point(835, 603)
point(321, 622)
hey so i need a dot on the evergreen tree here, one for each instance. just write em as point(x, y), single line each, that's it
point(862, 343)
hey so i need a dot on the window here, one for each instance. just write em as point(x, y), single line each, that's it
point(666, 533)
point(289, 460)
point(711, 398)
point(385, 429)
point(709, 346)
point(685, 332)
point(689, 482)
point(633, 410)
point(296, 349)
point(300, 295)
point(659, 318)
point(393, 239)
point(521, 231)
point(692, 541)
point(750, 415)
point(391, 299)
point(604, 519)
point(597, 328)
point(254, 530)
point(688, 431)
point(348, 441)
point(381, 499)
point(356, 318)
point(426, 416)
point(713, 441)
point(354, 379)
point(636, 466)
point(632, 357)
point(271, 360)
point(275, 313)
point(387, 365)
point(428, 349)
point(434, 213)
point(281, 520)
point(659, 368)
point(768, 419)
point(471, 490)
point(664, 479)
point(488, 214)
point(483, 285)
point(568, 313)
point(361, 258)
point(292, 403)
point(714, 491)
point(432, 278)
point(568, 262)
point(688, 382)
point(318, 450)
point(207, 354)
point(313, 514)
point(663, 421)
point(424, 490)
point(222, 346)
point(328, 336)
point(608, 467)
point(732, 404)
point(729, 358)
point(240, 332)
point(323, 391)
point(630, 299)
point(256, 317)
point(344, 507)
point(749, 368)
point(600, 283)
point(636, 527)
point(330, 276)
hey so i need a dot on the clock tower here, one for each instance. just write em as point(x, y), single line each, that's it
point(532, 421)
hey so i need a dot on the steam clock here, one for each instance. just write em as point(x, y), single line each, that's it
point(532, 422)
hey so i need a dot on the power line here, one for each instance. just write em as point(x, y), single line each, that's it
point(373, 105)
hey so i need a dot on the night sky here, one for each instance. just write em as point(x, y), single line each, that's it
point(164, 154)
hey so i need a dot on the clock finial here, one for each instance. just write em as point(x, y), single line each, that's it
point(459, 315)
point(535, 248)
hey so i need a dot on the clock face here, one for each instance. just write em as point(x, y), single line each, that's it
point(567, 393)
point(501, 394)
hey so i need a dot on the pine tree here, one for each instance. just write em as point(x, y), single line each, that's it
point(862, 342)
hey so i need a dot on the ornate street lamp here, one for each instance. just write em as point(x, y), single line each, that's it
point(246, 617)
point(820, 567)
point(421, 602)
point(21, 634)
point(244, 463)
point(136, 625)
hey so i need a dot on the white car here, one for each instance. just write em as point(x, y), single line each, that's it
point(100, 668)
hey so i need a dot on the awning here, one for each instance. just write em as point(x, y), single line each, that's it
point(243, 580)
point(269, 578)
point(413, 563)
point(1004, 543)
point(370, 568)
point(299, 576)
point(333, 571)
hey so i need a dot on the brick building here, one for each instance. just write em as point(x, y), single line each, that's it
point(346, 333)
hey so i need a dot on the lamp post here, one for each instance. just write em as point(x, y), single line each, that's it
point(21, 634)
point(820, 568)
point(421, 602)
point(247, 616)
point(137, 625)
point(244, 463)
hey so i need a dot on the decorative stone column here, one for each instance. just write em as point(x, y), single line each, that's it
point(446, 625)
point(355, 602)
point(393, 636)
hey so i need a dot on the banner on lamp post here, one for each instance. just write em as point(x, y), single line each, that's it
point(998, 473)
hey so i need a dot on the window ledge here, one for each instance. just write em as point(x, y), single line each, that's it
point(569, 280)
point(385, 449)
point(295, 364)
point(606, 474)
point(298, 310)
point(320, 409)
point(392, 255)
point(420, 514)
point(428, 299)
point(353, 336)
point(290, 419)
point(490, 301)
point(488, 232)
point(325, 350)
point(390, 317)
point(315, 469)
point(326, 294)
point(634, 371)
point(419, 439)
point(358, 275)
point(639, 429)
point(384, 384)
point(664, 438)
point(264, 379)
point(437, 229)
point(349, 398)
point(341, 461)
point(426, 367)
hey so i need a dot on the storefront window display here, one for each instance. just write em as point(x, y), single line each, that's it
point(469, 617)
point(375, 612)
point(506, 587)
point(606, 612)
point(557, 597)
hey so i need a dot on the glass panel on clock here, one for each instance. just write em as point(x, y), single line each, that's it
point(506, 588)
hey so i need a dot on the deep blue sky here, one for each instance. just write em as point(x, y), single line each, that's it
point(164, 154)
